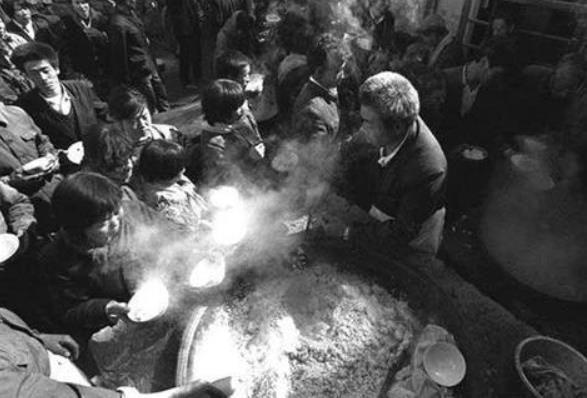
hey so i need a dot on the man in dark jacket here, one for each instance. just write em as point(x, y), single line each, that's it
point(29, 25)
point(399, 177)
point(315, 110)
point(131, 60)
point(21, 142)
point(445, 51)
point(86, 42)
point(475, 111)
point(63, 110)
point(215, 13)
point(185, 17)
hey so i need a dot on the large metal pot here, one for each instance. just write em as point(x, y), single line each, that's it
point(429, 302)
point(535, 230)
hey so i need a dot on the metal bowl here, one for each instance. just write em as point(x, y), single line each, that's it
point(557, 353)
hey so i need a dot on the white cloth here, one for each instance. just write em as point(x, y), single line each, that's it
point(332, 91)
point(63, 370)
point(29, 29)
point(129, 392)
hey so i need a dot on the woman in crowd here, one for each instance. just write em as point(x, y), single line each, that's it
point(97, 255)
point(108, 151)
point(129, 107)
point(163, 186)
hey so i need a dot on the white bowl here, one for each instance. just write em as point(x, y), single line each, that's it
point(9, 244)
point(75, 152)
point(445, 364)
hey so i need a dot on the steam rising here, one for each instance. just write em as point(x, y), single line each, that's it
point(229, 225)
point(208, 272)
point(245, 231)
point(249, 216)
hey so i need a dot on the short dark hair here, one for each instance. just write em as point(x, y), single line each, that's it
point(318, 54)
point(161, 160)
point(106, 147)
point(83, 199)
point(295, 33)
point(8, 6)
point(125, 102)
point(221, 99)
point(34, 51)
point(230, 64)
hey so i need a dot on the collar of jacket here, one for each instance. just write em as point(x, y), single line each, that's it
point(410, 137)
point(323, 91)
point(217, 129)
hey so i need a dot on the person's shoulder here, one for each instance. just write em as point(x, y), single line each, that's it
point(137, 212)
point(118, 20)
point(11, 319)
point(68, 18)
point(317, 107)
point(304, 95)
point(10, 25)
point(55, 255)
point(428, 153)
point(17, 111)
point(30, 100)
point(166, 131)
point(78, 85)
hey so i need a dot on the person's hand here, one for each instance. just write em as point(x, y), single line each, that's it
point(61, 344)
point(38, 167)
point(332, 227)
point(218, 389)
point(53, 162)
point(116, 310)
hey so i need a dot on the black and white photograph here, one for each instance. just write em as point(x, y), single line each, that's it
point(293, 198)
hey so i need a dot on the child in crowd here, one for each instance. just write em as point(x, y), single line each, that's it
point(108, 151)
point(229, 146)
point(163, 186)
point(236, 66)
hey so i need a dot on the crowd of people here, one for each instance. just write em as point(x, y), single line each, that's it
point(371, 114)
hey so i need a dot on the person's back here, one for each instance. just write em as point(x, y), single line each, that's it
point(163, 187)
point(85, 42)
point(315, 111)
point(229, 145)
point(128, 40)
point(215, 13)
point(131, 59)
